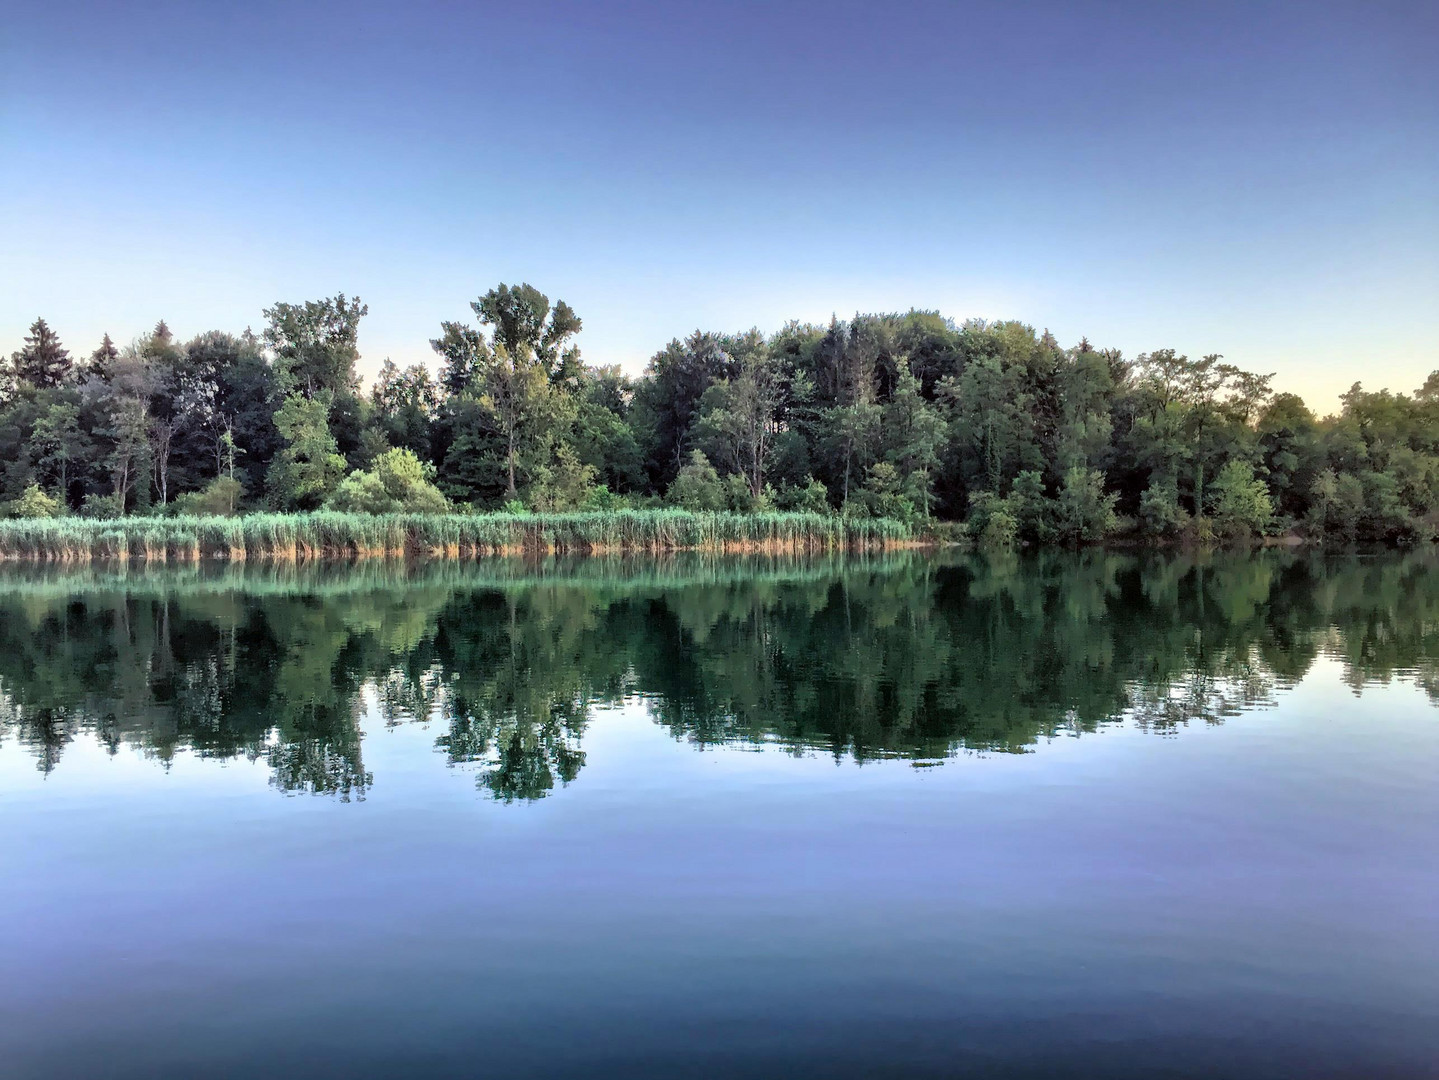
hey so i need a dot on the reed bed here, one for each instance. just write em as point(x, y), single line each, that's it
point(303, 537)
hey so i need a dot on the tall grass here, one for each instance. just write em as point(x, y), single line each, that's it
point(332, 535)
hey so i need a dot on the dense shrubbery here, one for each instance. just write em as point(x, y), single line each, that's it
point(398, 482)
point(909, 417)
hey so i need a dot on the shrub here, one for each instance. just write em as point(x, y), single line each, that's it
point(398, 482)
point(1160, 515)
point(103, 506)
point(34, 503)
point(603, 499)
point(1085, 514)
point(564, 484)
point(1241, 506)
point(698, 487)
point(220, 498)
point(992, 520)
point(883, 493)
point(1033, 511)
point(811, 497)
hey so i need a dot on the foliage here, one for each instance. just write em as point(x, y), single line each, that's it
point(810, 497)
point(102, 507)
point(906, 415)
point(565, 483)
point(1160, 515)
point(397, 482)
point(42, 361)
point(993, 521)
point(221, 497)
point(1085, 513)
point(697, 487)
point(34, 503)
point(1241, 503)
point(315, 345)
point(310, 465)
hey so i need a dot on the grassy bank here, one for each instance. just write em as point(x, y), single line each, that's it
point(332, 535)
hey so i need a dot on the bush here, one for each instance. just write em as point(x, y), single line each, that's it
point(883, 493)
point(103, 506)
point(1085, 514)
point(698, 486)
point(811, 497)
point(1033, 511)
point(34, 503)
point(564, 484)
point(1160, 515)
point(602, 498)
point(220, 498)
point(1241, 506)
point(398, 482)
point(992, 520)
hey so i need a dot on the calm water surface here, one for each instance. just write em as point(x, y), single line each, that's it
point(1083, 815)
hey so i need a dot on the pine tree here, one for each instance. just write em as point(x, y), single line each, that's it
point(102, 360)
point(42, 362)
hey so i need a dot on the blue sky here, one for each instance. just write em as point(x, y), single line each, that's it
point(1258, 180)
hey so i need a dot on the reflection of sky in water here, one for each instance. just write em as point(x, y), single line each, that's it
point(1245, 899)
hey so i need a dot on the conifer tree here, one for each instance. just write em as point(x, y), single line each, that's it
point(42, 362)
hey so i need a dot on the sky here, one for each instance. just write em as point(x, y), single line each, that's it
point(1259, 180)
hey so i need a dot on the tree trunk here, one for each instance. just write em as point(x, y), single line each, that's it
point(513, 490)
point(848, 453)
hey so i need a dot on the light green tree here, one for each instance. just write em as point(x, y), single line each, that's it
point(565, 483)
point(310, 465)
point(34, 503)
point(1241, 506)
point(698, 485)
point(59, 445)
point(1085, 513)
point(396, 482)
point(738, 419)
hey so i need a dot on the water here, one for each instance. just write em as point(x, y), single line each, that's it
point(1077, 815)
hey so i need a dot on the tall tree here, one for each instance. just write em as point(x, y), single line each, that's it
point(103, 358)
point(168, 410)
point(316, 345)
point(405, 404)
point(516, 391)
point(60, 446)
point(526, 326)
point(465, 352)
point(42, 362)
point(310, 466)
point(668, 402)
point(738, 419)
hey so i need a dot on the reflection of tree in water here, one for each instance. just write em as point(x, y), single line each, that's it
point(222, 675)
point(910, 657)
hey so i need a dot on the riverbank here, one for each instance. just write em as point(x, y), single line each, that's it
point(324, 535)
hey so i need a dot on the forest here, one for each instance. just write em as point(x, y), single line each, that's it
point(909, 417)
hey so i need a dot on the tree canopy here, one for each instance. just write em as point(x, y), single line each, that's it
point(906, 415)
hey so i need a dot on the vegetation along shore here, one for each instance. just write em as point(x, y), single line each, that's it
point(350, 535)
point(878, 430)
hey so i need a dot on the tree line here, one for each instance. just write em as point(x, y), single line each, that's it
point(909, 416)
